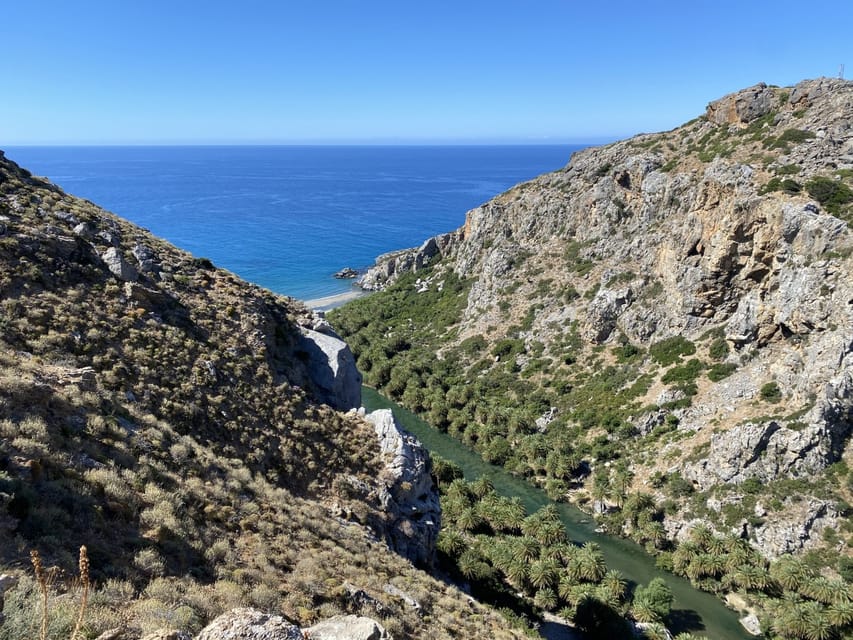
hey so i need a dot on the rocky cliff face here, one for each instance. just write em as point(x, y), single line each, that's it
point(732, 231)
point(409, 494)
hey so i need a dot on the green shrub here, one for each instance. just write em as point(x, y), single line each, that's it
point(788, 170)
point(203, 263)
point(683, 373)
point(795, 136)
point(718, 349)
point(791, 187)
point(720, 371)
point(670, 350)
point(770, 392)
point(831, 194)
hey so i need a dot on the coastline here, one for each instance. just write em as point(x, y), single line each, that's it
point(328, 303)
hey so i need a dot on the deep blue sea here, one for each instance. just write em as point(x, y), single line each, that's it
point(288, 217)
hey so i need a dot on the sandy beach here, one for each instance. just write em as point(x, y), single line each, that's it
point(330, 302)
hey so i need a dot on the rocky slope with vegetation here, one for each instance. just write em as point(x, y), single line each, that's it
point(188, 429)
point(660, 331)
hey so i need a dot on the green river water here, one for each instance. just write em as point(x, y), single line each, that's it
point(693, 610)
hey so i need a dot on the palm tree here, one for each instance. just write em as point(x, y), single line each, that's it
point(621, 481)
point(545, 525)
point(643, 612)
point(684, 555)
point(471, 565)
point(840, 613)
point(458, 489)
point(526, 549)
point(566, 586)
point(543, 573)
point(481, 487)
point(468, 519)
point(791, 572)
point(717, 546)
point(702, 535)
point(516, 572)
point(512, 514)
point(820, 589)
point(750, 578)
point(552, 533)
point(592, 565)
point(545, 599)
point(614, 584)
point(450, 542)
point(818, 626)
point(560, 551)
point(600, 486)
point(655, 533)
point(656, 631)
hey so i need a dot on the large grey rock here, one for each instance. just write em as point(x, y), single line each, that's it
point(250, 624)
point(743, 106)
point(119, 267)
point(409, 496)
point(766, 451)
point(168, 634)
point(331, 368)
point(800, 527)
point(603, 312)
point(347, 628)
point(751, 623)
point(146, 258)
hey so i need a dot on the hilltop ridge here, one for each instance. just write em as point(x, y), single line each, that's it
point(660, 332)
point(190, 430)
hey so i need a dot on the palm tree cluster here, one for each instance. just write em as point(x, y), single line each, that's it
point(491, 542)
point(798, 602)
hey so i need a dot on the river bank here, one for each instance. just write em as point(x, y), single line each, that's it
point(694, 611)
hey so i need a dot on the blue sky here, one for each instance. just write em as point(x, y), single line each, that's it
point(340, 71)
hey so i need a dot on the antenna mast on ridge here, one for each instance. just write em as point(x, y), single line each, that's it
point(841, 72)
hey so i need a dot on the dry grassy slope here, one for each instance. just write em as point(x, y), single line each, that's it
point(692, 232)
point(163, 422)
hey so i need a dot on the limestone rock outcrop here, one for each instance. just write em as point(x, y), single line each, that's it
point(250, 624)
point(742, 107)
point(347, 628)
point(245, 623)
point(330, 366)
point(391, 266)
point(119, 267)
point(409, 495)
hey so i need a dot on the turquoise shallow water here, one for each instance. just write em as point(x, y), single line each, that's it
point(288, 217)
point(695, 611)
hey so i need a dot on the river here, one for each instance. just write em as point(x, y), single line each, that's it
point(693, 610)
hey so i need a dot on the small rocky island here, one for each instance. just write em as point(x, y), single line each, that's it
point(347, 273)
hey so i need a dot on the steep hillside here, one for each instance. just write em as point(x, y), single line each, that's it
point(182, 425)
point(661, 331)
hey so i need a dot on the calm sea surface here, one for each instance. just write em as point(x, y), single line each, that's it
point(288, 217)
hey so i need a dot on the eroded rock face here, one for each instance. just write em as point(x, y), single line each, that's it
point(391, 266)
point(742, 107)
point(409, 496)
point(766, 451)
point(330, 366)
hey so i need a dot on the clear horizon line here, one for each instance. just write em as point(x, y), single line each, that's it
point(449, 143)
